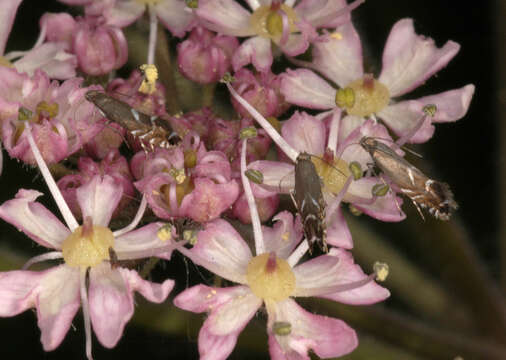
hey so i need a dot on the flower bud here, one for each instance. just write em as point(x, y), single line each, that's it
point(100, 49)
point(205, 57)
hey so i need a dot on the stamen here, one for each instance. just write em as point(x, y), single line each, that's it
point(286, 27)
point(319, 291)
point(51, 184)
point(86, 311)
point(332, 207)
point(298, 253)
point(136, 220)
point(47, 256)
point(275, 136)
point(282, 328)
point(153, 24)
point(334, 130)
point(255, 219)
point(428, 111)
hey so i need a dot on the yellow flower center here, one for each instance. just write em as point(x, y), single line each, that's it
point(46, 109)
point(267, 21)
point(87, 246)
point(363, 97)
point(333, 175)
point(270, 278)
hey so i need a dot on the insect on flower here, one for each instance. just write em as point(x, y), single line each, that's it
point(308, 199)
point(151, 131)
point(423, 191)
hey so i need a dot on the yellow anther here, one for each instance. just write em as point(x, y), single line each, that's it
point(165, 232)
point(336, 35)
point(381, 270)
point(148, 85)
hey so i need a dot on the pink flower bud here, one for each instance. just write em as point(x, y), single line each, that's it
point(60, 27)
point(261, 90)
point(205, 57)
point(99, 48)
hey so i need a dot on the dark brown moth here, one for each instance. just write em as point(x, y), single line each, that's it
point(308, 199)
point(151, 131)
point(423, 191)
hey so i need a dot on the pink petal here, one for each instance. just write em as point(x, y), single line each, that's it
point(141, 240)
point(51, 58)
point(338, 56)
point(410, 59)
point(222, 250)
point(55, 294)
point(317, 11)
point(305, 133)
point(231, 309)
point(349, 272)
point(303, 87)
point(234, 315)
point(318, 275)
point(283, 236)
point(299, 43)
point(384, 208)
point(225, 16)
point(215, 347)
point(7, 16)
point(338, 233)
point(99, 198)
point(203, 298)
point(18, 290)
point(255, 50)
point(327, 337)
point(404, 116)
point(124, 13)
point(277, 176)
point(57, 303)
point(34, 219)
point(451, 105)
point(110, 295)
point(175, 15)
point(209, 200)
point(353, 129)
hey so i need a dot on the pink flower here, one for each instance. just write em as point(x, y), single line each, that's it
point(260, 89)
point(100, 48)
point(62, 121)
point(57, 293)
point(291, 28)
point(273, 278)
point(205, 57)
point(186, 181)
point(106, 294)
point(306, 133)
point(50, 56)
point(408, 61)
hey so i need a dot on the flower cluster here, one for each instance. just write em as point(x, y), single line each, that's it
point(183, 180)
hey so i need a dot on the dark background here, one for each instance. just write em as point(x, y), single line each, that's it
point(464, 154)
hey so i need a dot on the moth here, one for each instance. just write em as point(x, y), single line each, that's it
point(308, 199)
point(424, 192)
point(151, 131)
